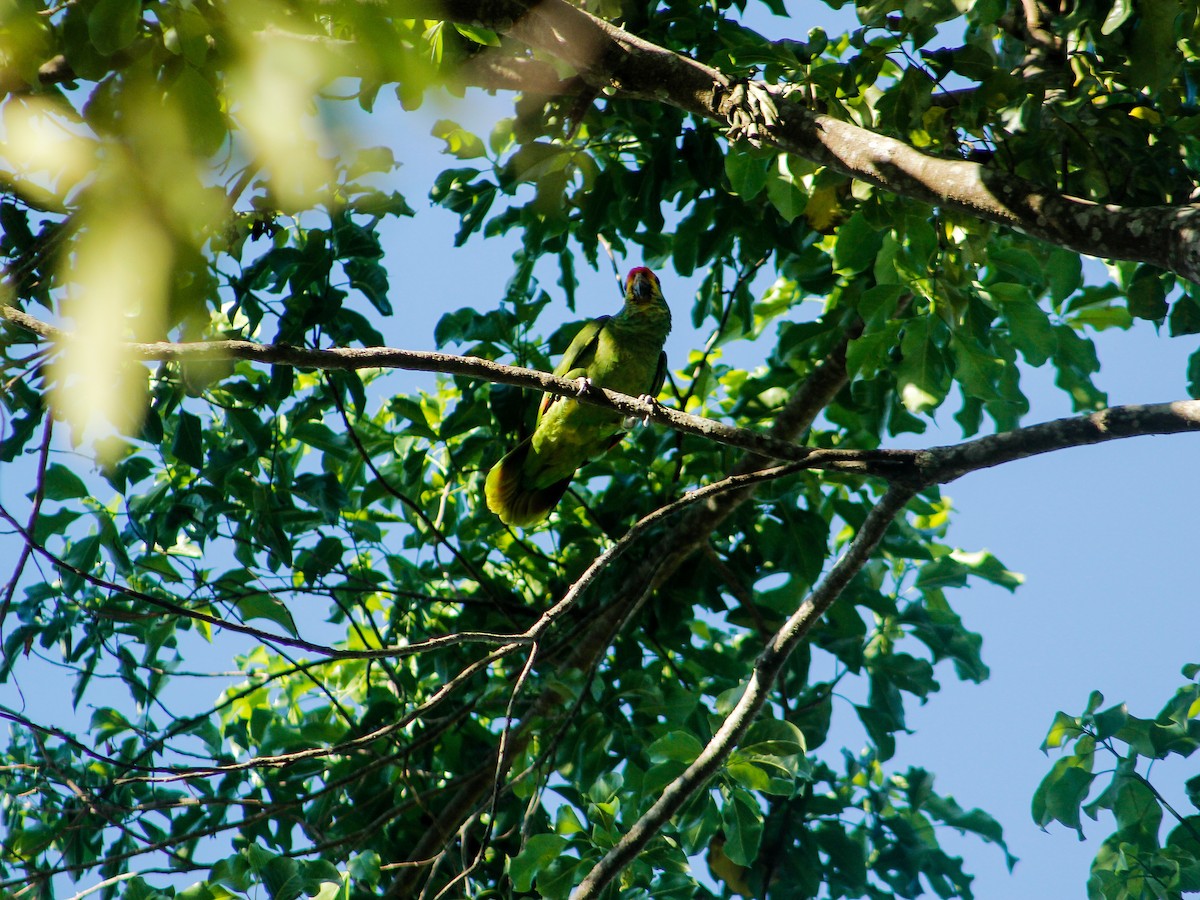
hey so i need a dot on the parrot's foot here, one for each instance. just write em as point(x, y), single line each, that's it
point(648, 401)
point(582, 386)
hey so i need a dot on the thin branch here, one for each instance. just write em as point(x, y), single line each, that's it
point(766, 669)
point(352, 358)
point(109, 882)
point(743, 594)
point(382, 479)
point(936, 465)
point(39, 494)
point(473, 789)
point(395, 652)
point(286, 759)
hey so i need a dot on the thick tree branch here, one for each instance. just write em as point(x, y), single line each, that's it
point(584, 656)
point(940, 465)
point(608, 57)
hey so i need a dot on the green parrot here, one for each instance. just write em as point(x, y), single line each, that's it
point(622, 353)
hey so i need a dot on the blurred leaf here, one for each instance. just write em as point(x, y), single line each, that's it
point(113, 24)
point(459, 142)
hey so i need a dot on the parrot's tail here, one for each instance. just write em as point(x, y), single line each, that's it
point(508, 498)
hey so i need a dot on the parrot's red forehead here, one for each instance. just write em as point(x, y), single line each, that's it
point(642, 271)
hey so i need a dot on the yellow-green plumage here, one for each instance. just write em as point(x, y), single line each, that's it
point(622, 353)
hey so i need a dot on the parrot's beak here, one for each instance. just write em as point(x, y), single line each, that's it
point(643, 290)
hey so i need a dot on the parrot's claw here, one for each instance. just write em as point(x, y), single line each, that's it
point(648, 401)
point(582, 386)
point(651, 405)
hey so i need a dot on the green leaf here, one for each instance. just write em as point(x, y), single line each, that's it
point(371, 278)
point(976, 821)
point(1064, 272)
point(773, 737)
point(742, 822)
point(921, 375)
point(857, 244)
point(983, 564)
point(878, 303)
point(188, 446)
point(107, 723)
point(1029, 326)
point(534, 161)
point(786, 196)
point(478, 35)
point(81, 557)
point(976, 369)
point(1063, 729)
point(264, 606)
point(1111, 721)
point(1137, 809)
point(1121, 10)
point(364, 867)
point(675, 745)
point(747, 173)
point(1061, 793)
point(566, 821)
point(1146, 296)
point(460, 143)
point(201, 110)
point(1185, 316)
point(60, 483)
point(280, 875)
point(747, 774)
point(944, 572)
point(537, 854)
point(847, 854)
point(113, 24)
point(603, 794)
point(868, 354)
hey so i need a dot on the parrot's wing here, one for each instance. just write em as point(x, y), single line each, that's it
point(579, 355)
point(660, 375)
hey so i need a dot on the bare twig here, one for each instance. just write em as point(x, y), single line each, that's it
point(39, 494)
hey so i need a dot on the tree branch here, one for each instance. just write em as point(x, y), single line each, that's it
point(39, 494)
point(762, 679)
point(940, 465)
point(346, 358)
point(609, 57)
point(394, 652)
point(916, 468)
